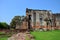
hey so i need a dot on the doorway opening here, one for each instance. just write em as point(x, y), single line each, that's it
point(29, 22)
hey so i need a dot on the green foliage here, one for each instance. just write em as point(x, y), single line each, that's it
point(15, 20)
point(49, 35)
point(3, 25)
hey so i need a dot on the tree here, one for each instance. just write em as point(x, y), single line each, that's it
point(15, 20)
point(4, 25)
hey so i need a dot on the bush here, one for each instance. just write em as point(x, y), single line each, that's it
point(4, 25)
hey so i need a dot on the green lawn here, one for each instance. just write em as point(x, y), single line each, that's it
point(49, 35)
point(4, 36)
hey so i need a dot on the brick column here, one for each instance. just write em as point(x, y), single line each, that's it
point(37, 21)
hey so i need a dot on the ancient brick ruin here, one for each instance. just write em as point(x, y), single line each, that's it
point(40, 19)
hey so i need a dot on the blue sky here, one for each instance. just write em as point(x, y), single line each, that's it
point(11, 8)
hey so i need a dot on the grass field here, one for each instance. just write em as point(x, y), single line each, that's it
point(4, 36)
point(49, 35)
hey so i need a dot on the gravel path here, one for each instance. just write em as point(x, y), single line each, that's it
point(20, 36)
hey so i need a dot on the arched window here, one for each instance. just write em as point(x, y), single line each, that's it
point(41, 19)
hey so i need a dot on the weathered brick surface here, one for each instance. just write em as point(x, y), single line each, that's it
point(42, 14)
point(24, 25)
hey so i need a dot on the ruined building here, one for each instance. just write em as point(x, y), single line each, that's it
point(56, 18)
point(41, 19)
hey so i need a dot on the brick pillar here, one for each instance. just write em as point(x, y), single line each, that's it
point(37, 21)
